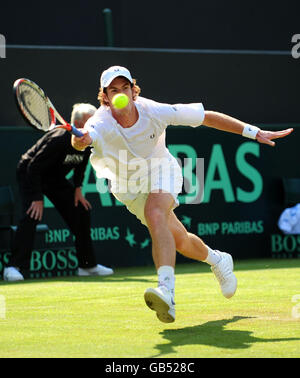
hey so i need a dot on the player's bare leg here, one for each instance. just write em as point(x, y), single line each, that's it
point(157, 212)
point(161, 299)
point(192, 246)
point(188, 244)
point(168, 235)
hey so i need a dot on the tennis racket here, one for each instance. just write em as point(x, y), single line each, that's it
point(37, 109)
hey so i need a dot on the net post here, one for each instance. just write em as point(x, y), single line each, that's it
point(108, 27)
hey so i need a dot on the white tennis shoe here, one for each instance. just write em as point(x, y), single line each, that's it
point(12, 274)
point(98, 270)
point(161, 301)
point(223, 271)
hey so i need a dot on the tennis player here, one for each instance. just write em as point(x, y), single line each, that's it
point(41, 171)
point(124, 139)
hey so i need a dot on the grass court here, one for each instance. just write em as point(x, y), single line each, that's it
point(107, 317)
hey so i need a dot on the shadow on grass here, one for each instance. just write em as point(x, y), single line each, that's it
point(212, 333)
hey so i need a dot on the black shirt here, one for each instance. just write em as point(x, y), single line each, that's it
point(50, 159)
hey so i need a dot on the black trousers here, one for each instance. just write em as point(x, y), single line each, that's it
point(61, 194)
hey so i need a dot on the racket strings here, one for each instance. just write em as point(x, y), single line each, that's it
point(34, 106)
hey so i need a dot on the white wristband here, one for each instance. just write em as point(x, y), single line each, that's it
point(250, 131)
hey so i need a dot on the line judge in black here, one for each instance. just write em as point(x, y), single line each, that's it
point(42, 171)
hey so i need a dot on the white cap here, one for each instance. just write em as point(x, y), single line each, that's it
point(111, 73)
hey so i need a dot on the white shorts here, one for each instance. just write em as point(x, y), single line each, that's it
point(167, 179)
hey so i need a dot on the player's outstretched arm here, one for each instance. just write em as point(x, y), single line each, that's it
point(81, 143)
point(226, 123)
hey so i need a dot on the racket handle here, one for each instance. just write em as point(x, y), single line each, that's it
point(76, 132)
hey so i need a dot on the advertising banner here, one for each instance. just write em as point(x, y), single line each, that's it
point(236, 212)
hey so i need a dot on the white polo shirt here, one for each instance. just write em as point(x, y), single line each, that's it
point(136, 159)
point(117, 150)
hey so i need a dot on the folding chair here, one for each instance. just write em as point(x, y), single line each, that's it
point(291, 187)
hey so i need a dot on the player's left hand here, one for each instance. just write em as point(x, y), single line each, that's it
point(266, 137)
point(80, 198)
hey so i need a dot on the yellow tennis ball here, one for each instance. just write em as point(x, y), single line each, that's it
point(120, 101)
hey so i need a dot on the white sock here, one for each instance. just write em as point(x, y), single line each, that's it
point(213, 257)
point(166, 277)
